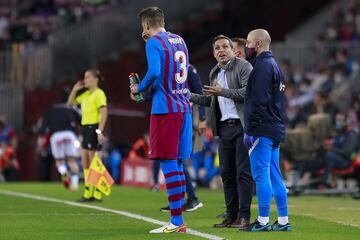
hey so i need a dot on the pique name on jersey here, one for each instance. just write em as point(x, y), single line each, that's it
point(175, 40)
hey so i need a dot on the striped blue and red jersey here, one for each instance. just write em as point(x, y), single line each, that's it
point(168, 61)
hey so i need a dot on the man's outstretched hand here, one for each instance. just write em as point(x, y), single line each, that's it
point(213, 90)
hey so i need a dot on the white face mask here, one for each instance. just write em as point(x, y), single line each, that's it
point(1, 151)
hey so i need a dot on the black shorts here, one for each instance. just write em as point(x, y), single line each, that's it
point(90, 141)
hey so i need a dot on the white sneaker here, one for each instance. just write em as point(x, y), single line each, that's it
point(74, 188)
point(170, 228)
point(74, 183)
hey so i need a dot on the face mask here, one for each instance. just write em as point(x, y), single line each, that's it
point(250, 53)
point(339, 125)
point(297, 77)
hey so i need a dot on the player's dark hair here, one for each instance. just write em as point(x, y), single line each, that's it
point(218, 37)
point(153, 15)
point(97, 74)
point(241, 42)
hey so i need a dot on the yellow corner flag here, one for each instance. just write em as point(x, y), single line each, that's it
point(99, 176)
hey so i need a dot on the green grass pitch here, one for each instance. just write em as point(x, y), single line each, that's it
point(313, 218)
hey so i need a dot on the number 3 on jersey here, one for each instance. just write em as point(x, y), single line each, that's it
point(181, 76)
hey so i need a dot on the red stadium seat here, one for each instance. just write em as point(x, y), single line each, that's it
point(355, 164)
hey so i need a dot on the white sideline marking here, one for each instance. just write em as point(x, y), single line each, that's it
point(344, 209)
point(57, 214)
point(123, 213)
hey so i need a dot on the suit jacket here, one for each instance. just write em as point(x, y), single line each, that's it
point(237, 72)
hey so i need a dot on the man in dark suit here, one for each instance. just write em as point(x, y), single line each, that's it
point(225, 97)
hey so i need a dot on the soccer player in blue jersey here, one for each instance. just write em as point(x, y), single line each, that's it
point(170, 122)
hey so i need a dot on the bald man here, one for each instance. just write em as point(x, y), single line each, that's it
point(264, 130)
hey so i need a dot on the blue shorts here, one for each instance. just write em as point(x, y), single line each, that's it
point(185, 144)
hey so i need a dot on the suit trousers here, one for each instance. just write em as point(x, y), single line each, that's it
point(235, 171)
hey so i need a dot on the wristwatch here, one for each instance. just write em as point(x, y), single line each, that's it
point(98, 131)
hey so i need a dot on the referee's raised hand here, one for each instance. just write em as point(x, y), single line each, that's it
point(79, 85)
point(72, 97)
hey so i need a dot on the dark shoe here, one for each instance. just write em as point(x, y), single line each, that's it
point(225, 223)
point(257, 227)
point(165, 209)
point(96, 200)
point(192, 205)
point(278, 227)
point(85, 200)
point(240, 223)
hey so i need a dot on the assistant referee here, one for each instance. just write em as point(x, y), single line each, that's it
point(93, 120)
